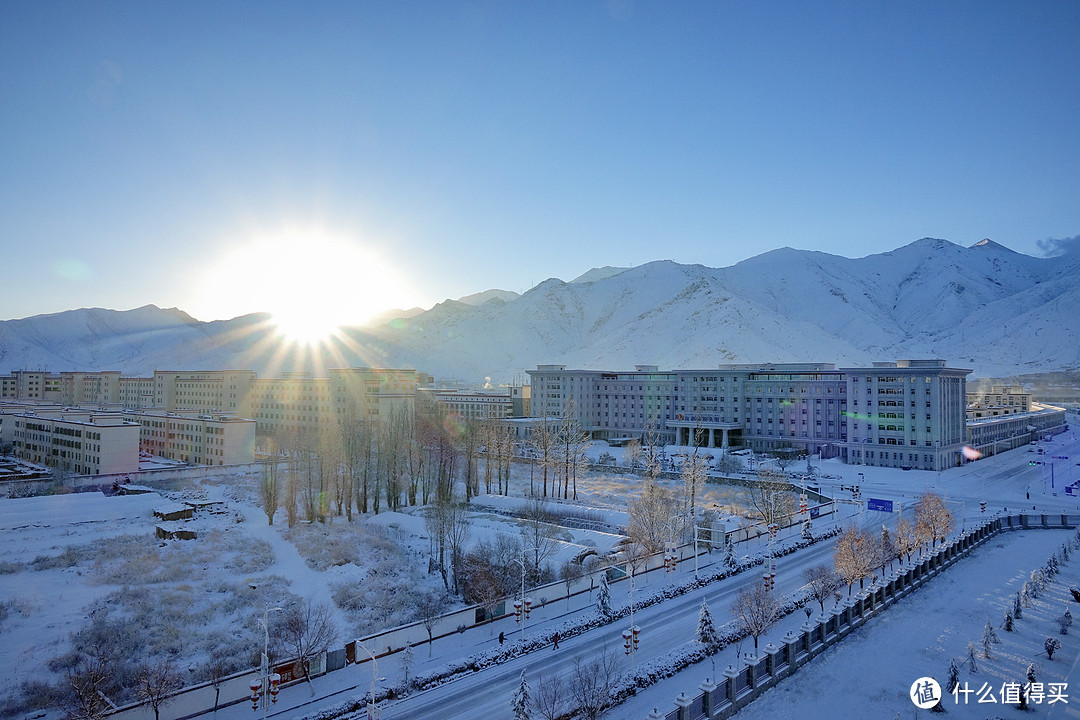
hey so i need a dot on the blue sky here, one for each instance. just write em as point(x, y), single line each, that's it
point(199, 154)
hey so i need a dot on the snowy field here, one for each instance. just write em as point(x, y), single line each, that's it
point(868, 675)
point(73, 563)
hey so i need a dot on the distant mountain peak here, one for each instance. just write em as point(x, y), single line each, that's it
point(480, 298)
point(599, 273)
point(988, 244)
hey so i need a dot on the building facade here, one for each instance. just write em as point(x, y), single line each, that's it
point(196, 438)
point(82, 442)
point(908, 413)
point(475, 405)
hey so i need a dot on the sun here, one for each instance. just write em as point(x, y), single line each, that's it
point(311, 284)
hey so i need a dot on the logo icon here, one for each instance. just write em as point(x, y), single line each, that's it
point(925, 693)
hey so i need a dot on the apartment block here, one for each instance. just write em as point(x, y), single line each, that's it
point(193, 437)
point(84, 442)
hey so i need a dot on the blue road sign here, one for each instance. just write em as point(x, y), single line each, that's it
point(879, 505)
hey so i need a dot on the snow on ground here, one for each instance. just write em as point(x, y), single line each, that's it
point(237, 548)
point(867, 675)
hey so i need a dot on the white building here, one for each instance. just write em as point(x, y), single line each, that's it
point(908, 413)
point(84, 442)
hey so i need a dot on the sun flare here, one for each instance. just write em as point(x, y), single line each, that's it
point(310, 284)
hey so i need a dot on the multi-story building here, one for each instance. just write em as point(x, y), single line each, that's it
point(84, 442)
point(475, 405)
point(98, 388)
point(911, 413)
point(862, 415)
point(193, 437)
point(283, 407)
point(298, 404)
point(992, 435)
point(999, 400)
point(31, 385)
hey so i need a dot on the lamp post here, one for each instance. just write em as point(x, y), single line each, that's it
point(523, 606)
point(267, 683)
point(374, 712)
point(630, 636)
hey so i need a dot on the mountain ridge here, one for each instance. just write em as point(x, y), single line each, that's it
point(984, 306)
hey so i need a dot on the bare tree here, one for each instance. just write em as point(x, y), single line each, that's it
point(854, 556)
point(655, 517)
point(156, 684)
point(217, 669)
point(755, 610)
point(906, 540)
point(88, 679)
point(270, 487)
point(544, 441)
point(307, 628)
point(933, 521)
point(652, 446)
point(785, 456)
point(572, 441)
point(538, 531)
point(457, 528)
point(429, 609)
point(592, 683)
point(695, 471)
point(886, 550)
point(570, 572)
point(728, 464)
point(822, 582)
point(771, 497)
point(551, 697)
point(632, 453)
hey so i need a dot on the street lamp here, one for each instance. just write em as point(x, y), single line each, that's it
point(266, 683)
point(374, 712)
point(523, 606)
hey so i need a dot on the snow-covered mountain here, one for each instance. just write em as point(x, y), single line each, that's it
point(984, 307)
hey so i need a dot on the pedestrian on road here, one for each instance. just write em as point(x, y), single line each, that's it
point(555, 637)
point(501, 637)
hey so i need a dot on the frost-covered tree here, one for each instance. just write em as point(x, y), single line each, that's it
point(933, 521)
point(408, 660)
point(519, 703)
point(886, 550)
point(1018, 610)
point(655, 517)
point(972, 664)
point(1065, 622)
point(822, 582)
point(86, 682)
point(770, 497)
point(570, 572)
point(854, 556)
point(707, 634)
point(592, 683)
point(1007, 623)
point(755, 610)
point(270, 487)
point(954, 676)
point(905, 539)
point(1036, 582)
point(694, 473)
point(988, 633)
point(729, 554)
point(1051, 645)
point(603, 598)
point(550, 698)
